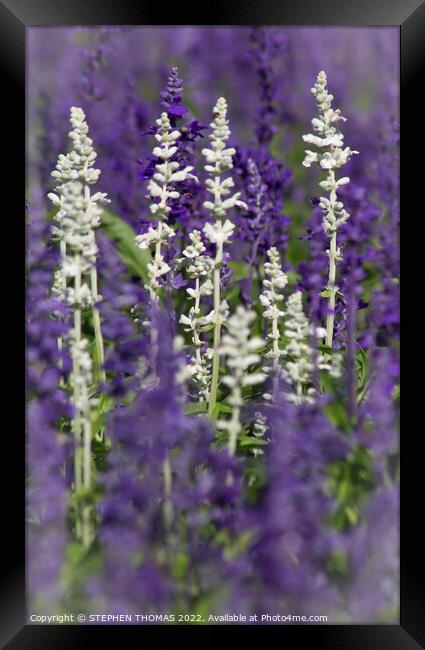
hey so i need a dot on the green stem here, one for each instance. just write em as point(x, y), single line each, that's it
point(87, 534)
point(275, 332)
point(62, 246)
point(217, 330)
point(330, 319)
point(97, 326)
point(235, 428)
point(76, 423)
point(153, 285)
point(299, 392)
point(196, 337)
point(95, 311)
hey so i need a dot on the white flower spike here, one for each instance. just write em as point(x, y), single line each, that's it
point(241, 352)
point(219, 160)
point(199, 268)
point(331, 156)
point(162, 189)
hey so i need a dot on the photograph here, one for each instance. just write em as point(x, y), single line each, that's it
point(212, 325)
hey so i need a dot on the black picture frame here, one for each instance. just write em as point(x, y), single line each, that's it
point(15, 17)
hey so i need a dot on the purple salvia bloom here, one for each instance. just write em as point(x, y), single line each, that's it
point(140, 532)
point(373, 560)
point(291, 549)
point(48, 450)
point(121, 310)
point(172, 97)
point(265, 47)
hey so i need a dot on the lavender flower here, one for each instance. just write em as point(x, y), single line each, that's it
point(263, 225)
point(123, 312)
point(48, 451)
point(172, 97)
point(265, 47)
point(291, 549)
point(145, 529)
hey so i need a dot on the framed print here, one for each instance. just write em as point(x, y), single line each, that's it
point(212, 321)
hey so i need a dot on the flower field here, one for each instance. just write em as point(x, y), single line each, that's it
point(212, 305)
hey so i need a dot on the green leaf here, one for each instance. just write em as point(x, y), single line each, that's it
point(224, 408)
point(100, 451)
point(337, 413)
point(80, 563)
point(362, 365)
point(181, 563)
point(338, 563)
point(252, 442)
point(325, 349)
point(240, 270)
point(196, 407)
point(133, 257)
point(352, 515)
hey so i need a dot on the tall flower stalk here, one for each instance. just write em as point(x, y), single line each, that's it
point(79, 213)
point(162, 191)
point(199, 268)
point(331, 157)
point(81, 378)
point(271, 299)
point(219, 161)
point(241, 352)
point(161, 188)
point(299, 369)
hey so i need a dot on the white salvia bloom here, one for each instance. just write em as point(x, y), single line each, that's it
point(271, 298)
point(332, 363)
point(219, 233)
point(153, 236)
point(219, 158)
point(184, 371)
point(331, 156)
point(222, 160)
point(59, 288)
point(197, 247)
point(162, 190)
point(79, 297)
point(241, 352)
point(82, 372)
point(259, 429)
point(298, 372)
point(199, 267)
point(79, 212)
point(330, 138)
point(158, 267)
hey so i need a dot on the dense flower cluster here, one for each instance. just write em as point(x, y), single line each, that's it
point(199, 268)
point(47, 451)
point(271, 299)
point(241, 352)
point(198, 441)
